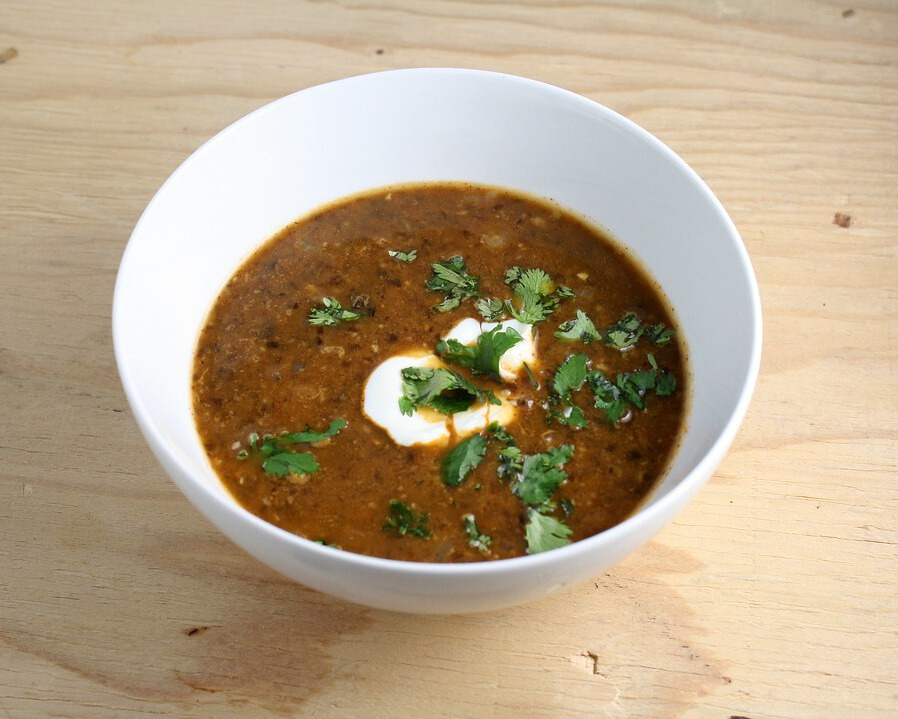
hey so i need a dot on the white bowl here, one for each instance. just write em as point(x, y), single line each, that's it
point(295, 154)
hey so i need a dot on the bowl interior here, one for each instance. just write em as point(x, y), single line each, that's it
point(326, 142)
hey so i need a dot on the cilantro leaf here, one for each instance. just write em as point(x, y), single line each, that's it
point(580, 328)
point(511, 459)
point(491, 309)
point(331, 314)
point(571, 416)
point(665, 382)
point(310, 436)
point(544, 533)
point(564, 292)
point(541, 474)
point(607, 396)
point(276, 457)
point(635, 385)
point(630, 388)
point(482, 358)
point(404, 520)
point(476, 538)
point(442, 389)
point(569, 376)
point(534, 291)
point(464, 458)
point(284, 463)
point(451, 278)
point(500, 434)
point(624, 333)
point(659, 334)
point(403, 255)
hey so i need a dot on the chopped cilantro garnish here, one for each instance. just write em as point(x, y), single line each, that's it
point(276, 457)
point(331, 314)
point(310, 436)
point(629, 388)
point(580, 328)
point(534, 291)
point(404, 520)
point(544, 533)
point(444, 390)
point(482, 358)
point(570, 376)
point(571, 416)
point(607, 396)
point(403, 255)
point(284, 463)
point(624, 333)
point(476, 538)
point(635, 385)
point(564, 292)
point(450, 278)
point(500, 433)
point(541, 474)
point(463, 459)
point(491, 309)
point(659, 334)
point(665, 383)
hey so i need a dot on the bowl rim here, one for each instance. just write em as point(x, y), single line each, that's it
point(650, 513)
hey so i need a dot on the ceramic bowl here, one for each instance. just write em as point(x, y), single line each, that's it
point(322, 143)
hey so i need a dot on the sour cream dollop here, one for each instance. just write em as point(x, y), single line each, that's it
point(383, 390)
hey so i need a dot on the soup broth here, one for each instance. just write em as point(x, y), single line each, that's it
point(299, 423)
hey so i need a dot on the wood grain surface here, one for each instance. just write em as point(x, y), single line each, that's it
point(773, 595)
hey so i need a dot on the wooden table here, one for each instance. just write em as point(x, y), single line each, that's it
point(774, 593)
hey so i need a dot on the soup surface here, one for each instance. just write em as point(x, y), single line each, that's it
point(518, 437)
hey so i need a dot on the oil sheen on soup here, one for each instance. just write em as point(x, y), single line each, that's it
point(440, 373)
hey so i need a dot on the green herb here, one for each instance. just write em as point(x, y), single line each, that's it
point(665, 384)
point(580, 328)
point(331, 314)
point(607, 396)
point(544, 533)
point(567, 506)
point(311, 437)
point(534, 382)
point(483, 357)
point(635, 385)
point(624, 333)
point(511, 459)
point(511, 462)
point(491, 309)
point(570, 416)
point(659, 334)
point(404, 520)
point(476, 538)
point(325, 543)
point(276, 457)
point(564, 292)
point(463, 459)
point(284, 463)
point(500, 433)
point(534, 291)
point(569, 376)
point(403, 255)
point(629, 388)
point(541, 474)
point(442, 389)
point(450, 278)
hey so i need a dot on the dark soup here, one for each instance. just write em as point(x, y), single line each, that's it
point(440, 373)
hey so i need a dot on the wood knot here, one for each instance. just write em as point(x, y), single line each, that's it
point(842, 219)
